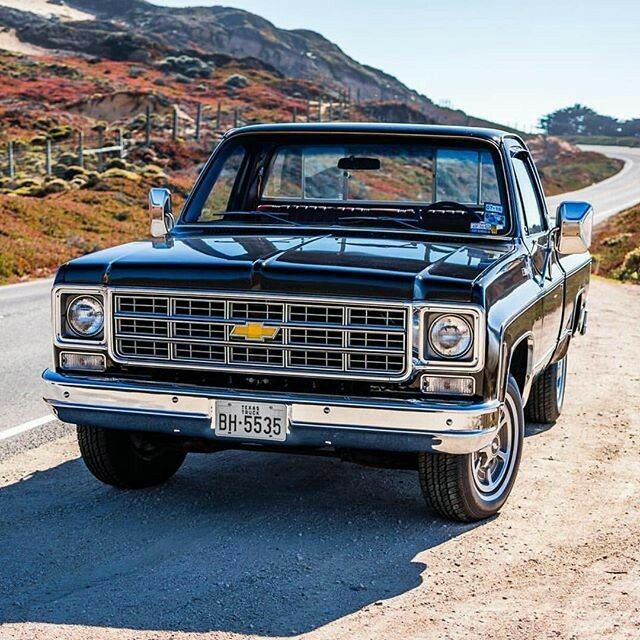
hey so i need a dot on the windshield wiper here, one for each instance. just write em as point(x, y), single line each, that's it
point(278, 218)
point(399, 221)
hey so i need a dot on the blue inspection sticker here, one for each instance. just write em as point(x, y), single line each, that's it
point(480, 227)
point(494, 215)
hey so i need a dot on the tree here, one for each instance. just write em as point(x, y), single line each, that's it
point(583, 121)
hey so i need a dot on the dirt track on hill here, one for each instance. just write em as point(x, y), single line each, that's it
point(243, 545)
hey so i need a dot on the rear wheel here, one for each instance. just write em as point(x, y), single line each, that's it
point(127, 460)
point(475, 486)
point(547, 393)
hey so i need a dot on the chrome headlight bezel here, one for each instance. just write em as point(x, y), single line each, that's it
point(426, 358)
point(62, 296)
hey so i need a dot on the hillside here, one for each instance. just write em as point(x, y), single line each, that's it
point(138, 31)
point(616, 247)
point(78, 85)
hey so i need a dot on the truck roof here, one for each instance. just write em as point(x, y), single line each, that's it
point(495, 135)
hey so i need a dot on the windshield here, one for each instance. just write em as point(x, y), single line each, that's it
point(426, 187)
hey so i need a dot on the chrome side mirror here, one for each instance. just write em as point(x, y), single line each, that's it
point(160, 212)
point(575, 224)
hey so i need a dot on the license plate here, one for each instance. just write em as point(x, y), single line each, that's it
point(251, 420)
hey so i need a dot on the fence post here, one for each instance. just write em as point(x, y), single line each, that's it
point(218, 115)
point(47, 149)
point(320, 110)
point(11, 163)
point(81, 149)
point(198, 120)
point(100, 154)
point(174, 134)
point(147, 127)
point(331, 111)
point(295, 113)
point(308, 110)
point(236, 118)
point(121, 142)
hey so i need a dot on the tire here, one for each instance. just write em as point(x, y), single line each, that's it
point(544, 405)
point(127, 460)
point(463, 487)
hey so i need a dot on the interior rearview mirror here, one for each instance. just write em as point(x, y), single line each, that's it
point(353, 163)
point(575, 224)
point(160, 212)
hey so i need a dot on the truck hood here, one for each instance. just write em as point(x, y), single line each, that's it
point(326, 265)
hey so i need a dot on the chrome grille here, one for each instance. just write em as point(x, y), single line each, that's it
point(336, 339)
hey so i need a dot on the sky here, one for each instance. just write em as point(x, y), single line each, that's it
point(508, 61)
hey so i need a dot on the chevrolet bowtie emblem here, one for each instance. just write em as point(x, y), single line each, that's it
point(254, 331)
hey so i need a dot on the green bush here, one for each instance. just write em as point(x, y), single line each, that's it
point(53, 186)
point(117, 163)
point(630, 269)
point(27, 183)
point(613, 241)
point(236, 81)
point(68, 159)
point(74, 171)
point(61, 132)
point(120, 173)
point(78, 182)
point(7, 266)
point(31, 192)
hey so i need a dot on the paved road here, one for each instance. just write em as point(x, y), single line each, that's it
point(25, 348)
point(613, 195)
point(250, 546)
point(24, 309)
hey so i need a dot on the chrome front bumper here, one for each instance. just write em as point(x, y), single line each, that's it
point(315, 420)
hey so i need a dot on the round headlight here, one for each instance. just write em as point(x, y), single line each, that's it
point(450, 336)
point(85, 316)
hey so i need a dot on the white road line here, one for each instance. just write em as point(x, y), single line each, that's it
point(26, 426)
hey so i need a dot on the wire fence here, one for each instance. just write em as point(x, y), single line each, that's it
point(71, 150)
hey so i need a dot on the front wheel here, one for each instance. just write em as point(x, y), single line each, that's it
point(475, 486)
point(126, 459)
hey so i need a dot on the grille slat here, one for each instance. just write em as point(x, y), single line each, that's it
point(198, 351)
point(334, 338)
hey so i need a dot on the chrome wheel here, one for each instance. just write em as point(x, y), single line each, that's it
point(493, 465)
point(561, 380)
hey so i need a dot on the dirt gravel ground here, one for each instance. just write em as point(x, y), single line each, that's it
point(261, 546)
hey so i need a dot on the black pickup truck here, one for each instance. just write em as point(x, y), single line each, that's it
point(394, 295)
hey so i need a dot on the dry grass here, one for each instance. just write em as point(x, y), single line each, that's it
point(616, 247)
point(40, 230)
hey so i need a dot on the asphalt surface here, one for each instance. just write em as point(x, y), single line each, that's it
point(617, 193)
point(25, 345)
point(25, 324)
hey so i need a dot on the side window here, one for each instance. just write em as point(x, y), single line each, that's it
point(531, 205)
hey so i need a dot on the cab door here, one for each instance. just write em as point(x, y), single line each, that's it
point(538, 237)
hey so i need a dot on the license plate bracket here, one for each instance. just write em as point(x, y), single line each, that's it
point(251, 420)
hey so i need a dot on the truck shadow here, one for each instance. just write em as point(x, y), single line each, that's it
point(238, 542)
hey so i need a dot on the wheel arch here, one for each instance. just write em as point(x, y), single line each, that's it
point(520, 364)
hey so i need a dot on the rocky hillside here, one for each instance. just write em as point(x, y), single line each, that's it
point(138, 31)
point(564, 167)
point(81, 81)
point(616, 247)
